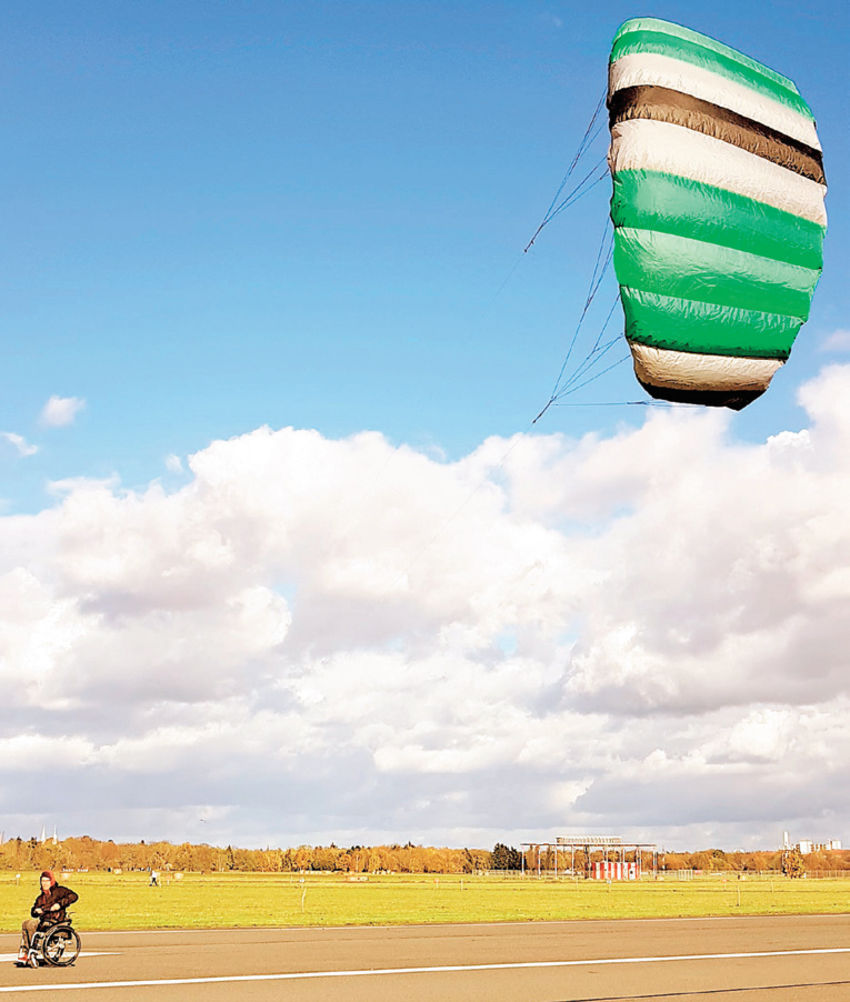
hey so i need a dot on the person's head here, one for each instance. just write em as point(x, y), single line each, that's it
point(47, 880)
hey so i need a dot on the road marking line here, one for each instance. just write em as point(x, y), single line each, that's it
point(85, 953)
point(450, 969)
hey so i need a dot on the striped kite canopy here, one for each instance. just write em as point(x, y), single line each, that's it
point(718, 212)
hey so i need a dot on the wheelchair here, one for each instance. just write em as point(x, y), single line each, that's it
point(56, 945)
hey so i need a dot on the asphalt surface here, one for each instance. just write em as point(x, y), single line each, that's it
point(775, 959)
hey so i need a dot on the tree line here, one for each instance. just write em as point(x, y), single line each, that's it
point(86, 853)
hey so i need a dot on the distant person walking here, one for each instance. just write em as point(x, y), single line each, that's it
point(49, 908)
point(154, 881)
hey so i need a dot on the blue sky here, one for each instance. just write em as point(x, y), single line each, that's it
point(224, 216)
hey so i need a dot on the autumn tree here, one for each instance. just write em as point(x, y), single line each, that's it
point(793, 864)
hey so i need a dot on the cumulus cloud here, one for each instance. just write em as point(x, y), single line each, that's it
point(344, 639)
point(21, 445)
point(61, 411)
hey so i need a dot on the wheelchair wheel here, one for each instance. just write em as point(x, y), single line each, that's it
point(61, 946)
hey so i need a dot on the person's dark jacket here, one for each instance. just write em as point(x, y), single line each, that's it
point(57, 895)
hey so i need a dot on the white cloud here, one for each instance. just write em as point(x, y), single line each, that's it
point(174, 464)
point(61, 411)
point(837, 341)
point(644, 633)
point(23, 447)
point(548, 18)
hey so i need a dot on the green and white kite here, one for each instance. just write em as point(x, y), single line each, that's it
point(718, 212)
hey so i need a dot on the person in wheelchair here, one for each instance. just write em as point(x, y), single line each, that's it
point(48, 909)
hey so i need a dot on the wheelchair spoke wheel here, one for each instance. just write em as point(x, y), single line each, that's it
point(61, 946)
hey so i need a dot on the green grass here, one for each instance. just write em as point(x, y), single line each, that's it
point(113, 901)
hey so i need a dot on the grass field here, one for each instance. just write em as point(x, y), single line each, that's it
point(125, 901)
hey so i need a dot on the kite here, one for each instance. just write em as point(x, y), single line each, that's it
point(718, 212)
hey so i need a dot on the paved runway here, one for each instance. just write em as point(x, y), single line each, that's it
point(778, 959)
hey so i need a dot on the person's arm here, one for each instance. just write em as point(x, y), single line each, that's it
point(37, 911)
point(66, 898)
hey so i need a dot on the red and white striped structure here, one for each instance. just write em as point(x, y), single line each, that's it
point(615, 870)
